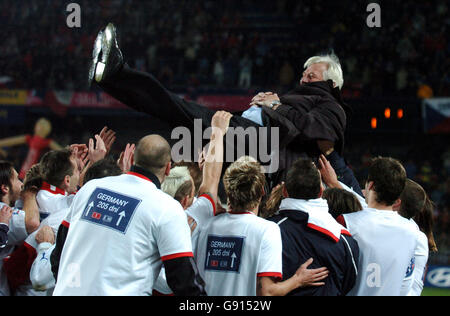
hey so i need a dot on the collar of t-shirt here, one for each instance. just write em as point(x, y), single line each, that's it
point(318, 216)
point(138, 171)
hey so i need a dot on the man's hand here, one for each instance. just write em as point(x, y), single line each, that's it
point(221, 121)
point(109, 137)
point(99, 151)
point(45, 234)
point(126, 158)
point(310, 277)
point(329, 176)
point(5, 214)
point(80, 153)
point(265, 99)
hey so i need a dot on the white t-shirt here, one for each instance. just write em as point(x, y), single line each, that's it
point(387, 242)
point(16, 235)
point(121, 229)
point(234, 249)
point(201, 210)
point(413, 282)
point(55, 204)
point(50, 199)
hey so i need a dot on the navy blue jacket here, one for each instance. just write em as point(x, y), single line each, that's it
point(301, 243)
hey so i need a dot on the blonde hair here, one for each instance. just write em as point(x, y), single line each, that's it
point(178, 183)
point(334, 71)
point(244, 184)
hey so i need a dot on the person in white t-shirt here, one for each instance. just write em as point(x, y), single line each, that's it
point(21, 223)
point(239, 253)
point(180, 185)
point(416, 206)
point(413, 204)
point(387, 241)
point(123, 228)
point(41, 275)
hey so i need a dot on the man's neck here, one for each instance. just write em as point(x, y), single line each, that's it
point(253, 211)
point(380, 206)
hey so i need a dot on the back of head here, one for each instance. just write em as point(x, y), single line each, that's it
point(33, 178)
point(389, 178)
point(244, 184)
point(303, 180)
point(334, 71)
point(55, 165)
point(178, 183)
point(6, 173)
point(195, 172)
point(417, 205)
point(152, 153)
point(341, 202)
point(101, 169)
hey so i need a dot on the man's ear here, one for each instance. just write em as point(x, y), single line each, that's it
point(66, 182)
point(396, 205)
point(5, 189)
point(321, 190)
point(168, 168)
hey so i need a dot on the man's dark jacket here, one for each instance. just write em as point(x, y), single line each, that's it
point(301, 242)
point(310, 112)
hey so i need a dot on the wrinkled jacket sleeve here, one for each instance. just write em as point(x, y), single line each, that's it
point(325, 121)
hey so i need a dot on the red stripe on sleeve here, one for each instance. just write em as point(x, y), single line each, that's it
point(270, 274)
point(211, 200)
point(177, 255)
point(65, 224)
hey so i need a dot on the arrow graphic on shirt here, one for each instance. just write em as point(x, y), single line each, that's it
point(233, 256)
point(121, 215)
point(90, 206)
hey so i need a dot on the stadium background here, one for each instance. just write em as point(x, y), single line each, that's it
point(206, 50)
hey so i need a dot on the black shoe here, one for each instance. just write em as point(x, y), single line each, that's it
point(106, 56)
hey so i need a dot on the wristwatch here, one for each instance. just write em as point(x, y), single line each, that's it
point(274, 104)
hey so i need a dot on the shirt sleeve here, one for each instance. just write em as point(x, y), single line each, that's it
point(41, 275)
point(270, 260)
point(421, 258)
point(173, 234)
point(202, 209)
point(17, 228)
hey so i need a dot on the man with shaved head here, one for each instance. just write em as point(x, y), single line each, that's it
point(122, 229)
point(153, 153)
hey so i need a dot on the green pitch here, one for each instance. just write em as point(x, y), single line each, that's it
point(428, 291)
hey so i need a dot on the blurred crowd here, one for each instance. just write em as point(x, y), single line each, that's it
point(231, 44)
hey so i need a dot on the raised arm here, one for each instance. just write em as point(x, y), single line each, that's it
point(212, 168)
point(31, 209)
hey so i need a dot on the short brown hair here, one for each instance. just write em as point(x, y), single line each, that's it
point(195, 172)
point(388, 177)
point(244, 184)
point(341, 202)
point(55, 165)
point(303, 180)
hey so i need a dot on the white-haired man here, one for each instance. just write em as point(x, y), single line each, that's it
point(312, 112)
